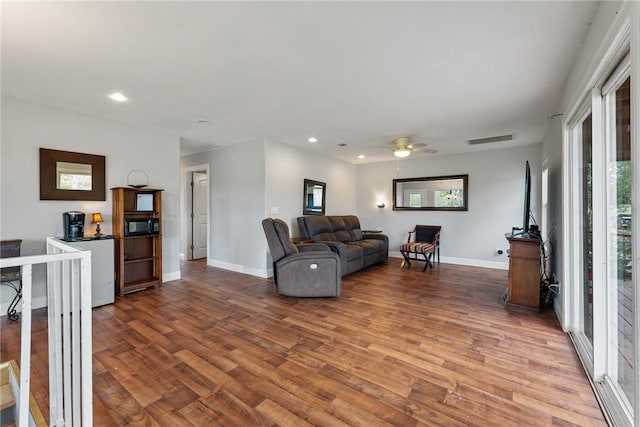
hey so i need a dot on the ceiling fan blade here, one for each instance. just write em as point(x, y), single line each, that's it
point(426, 150)
point(402, 142)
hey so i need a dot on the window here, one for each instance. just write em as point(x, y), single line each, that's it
point(449, 198)
point(415, 199)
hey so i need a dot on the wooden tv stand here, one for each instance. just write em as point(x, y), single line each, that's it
point(524, 272)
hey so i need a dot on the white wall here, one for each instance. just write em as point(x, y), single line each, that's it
point(27, 127)
point(496, 197)
point(236, 204)
point(288, 167)
point(605, 24)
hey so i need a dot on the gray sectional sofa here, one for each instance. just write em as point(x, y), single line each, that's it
point(342, 233)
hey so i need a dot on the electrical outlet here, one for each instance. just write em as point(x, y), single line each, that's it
point(498, 251)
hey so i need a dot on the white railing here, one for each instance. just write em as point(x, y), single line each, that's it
point(70, 352)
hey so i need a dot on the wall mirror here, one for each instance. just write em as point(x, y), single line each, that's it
point(313, 202)
point(436, 193)
point(65, 175)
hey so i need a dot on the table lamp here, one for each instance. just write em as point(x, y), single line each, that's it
point(97, 219)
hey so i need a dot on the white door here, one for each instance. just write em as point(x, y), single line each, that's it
point(200, 219)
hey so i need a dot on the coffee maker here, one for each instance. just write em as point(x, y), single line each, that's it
point(73, 224)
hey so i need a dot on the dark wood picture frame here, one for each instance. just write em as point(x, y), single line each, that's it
point(402, 181)
point(48, 178)
point(308, 207)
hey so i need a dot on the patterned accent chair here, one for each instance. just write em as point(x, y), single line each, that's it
point(304, 270)
point(425, 243)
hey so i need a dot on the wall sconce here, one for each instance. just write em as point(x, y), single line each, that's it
point(380, 204)
point(97, 219)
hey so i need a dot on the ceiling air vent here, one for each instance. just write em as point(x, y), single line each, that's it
point(490, 139)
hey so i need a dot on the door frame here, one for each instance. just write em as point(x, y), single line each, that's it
point(187, 188)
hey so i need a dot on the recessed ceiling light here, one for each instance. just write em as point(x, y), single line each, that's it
point(118, 97)
point(313, 140)
point(361, 156)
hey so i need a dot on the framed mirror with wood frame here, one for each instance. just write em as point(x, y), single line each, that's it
point(314, 197)
point(66, 175)
point(434, 193)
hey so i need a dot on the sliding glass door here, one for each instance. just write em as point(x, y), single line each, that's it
point(586, 296)
point(620, 318)
point(602, 302)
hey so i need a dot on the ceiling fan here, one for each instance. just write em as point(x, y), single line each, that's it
point(402, 147)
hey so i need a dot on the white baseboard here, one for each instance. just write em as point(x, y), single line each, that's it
point(168, 277)
point(238, 268)
point(37, 302)
point(266, 273)
point(464, 261)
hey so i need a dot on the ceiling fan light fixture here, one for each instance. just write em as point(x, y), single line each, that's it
point(401, 152)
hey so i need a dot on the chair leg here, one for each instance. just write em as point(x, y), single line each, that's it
point(427, 260)
point(406, 259)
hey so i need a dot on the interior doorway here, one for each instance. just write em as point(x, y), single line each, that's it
point(197, 214)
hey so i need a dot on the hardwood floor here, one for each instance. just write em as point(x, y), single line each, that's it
point(399, 347)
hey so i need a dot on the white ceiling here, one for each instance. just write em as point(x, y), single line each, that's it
point(358, 73)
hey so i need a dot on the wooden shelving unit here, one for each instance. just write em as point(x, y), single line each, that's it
point(138, 259)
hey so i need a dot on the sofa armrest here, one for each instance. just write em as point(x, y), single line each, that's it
point(306, 256)
point(336, 247)
point(309, 274)
point(310, 247)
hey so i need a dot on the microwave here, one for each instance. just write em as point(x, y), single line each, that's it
point(141, 227)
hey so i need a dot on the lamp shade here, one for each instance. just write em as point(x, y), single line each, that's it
point(401, 152)
point(97, 218)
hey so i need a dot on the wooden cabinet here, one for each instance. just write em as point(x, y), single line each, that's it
point(524, 272)
point(138, 247)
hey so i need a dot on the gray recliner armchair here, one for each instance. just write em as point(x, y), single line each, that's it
point(304, 270)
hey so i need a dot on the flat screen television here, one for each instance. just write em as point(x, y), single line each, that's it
point(527, 200)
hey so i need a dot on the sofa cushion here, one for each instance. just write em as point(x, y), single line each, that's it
point(355, 235)
point(337, 223)
point(370, 246)
point(351, 222)
point(416, 247)
point(344, 228)
point(317, 225)
point(354, 251)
